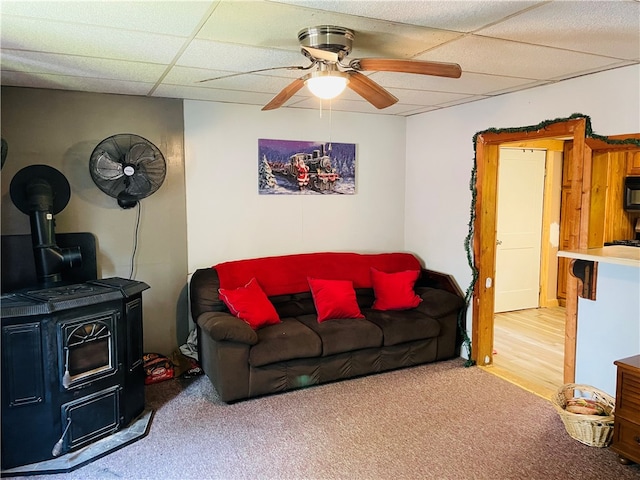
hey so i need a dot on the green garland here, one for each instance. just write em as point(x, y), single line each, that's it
point(472, 186)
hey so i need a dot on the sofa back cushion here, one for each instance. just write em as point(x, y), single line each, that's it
point(287, 274)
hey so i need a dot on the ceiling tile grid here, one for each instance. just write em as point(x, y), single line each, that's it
point(609, 28)
point(166, 48)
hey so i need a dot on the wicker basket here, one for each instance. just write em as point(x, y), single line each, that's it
point(592, 430)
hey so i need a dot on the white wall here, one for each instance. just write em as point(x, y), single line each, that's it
point(440, 154)
point(228, 220)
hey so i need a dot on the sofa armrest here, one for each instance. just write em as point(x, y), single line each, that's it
point(443, 281)
point(437, 303)
point(222, 326)
point(203, 292)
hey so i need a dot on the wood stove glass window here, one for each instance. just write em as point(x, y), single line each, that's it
point(88, 349)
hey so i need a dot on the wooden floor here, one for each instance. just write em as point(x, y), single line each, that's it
point(529, 349)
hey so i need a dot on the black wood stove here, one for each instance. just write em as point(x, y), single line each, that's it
point(72, 368)
point(72, 345)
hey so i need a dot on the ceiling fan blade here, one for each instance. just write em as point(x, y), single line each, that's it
point(421, 67)
point(370, 90)
point(316, 53)
point(286, 93)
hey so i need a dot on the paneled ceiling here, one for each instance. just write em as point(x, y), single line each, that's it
point(165, 48)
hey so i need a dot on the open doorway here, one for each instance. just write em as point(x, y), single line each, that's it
point(590, 162)
point(528, 323)
point(485, 229)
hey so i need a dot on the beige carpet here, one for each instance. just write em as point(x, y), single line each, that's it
point(437, 421)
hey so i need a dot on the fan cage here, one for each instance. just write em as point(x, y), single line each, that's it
point(127, 167)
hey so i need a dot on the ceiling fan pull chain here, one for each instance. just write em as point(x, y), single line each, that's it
point(330, 121)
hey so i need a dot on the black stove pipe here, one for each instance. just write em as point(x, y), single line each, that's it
point(50, 259)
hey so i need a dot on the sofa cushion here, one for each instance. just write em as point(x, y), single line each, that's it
point(294, 305)
point(403, 326)
point(250, 304)
point(334, 299)
point(284, 341)
point(394, 291)
point(344, 334)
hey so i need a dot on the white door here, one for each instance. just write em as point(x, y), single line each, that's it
point(519, 219)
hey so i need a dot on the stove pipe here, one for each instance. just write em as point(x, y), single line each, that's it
point(40, 192)
point(50, 259)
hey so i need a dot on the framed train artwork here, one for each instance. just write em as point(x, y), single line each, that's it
point(291, 167)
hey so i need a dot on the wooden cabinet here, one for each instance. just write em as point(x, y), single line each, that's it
point(633, 163)
point(626, 429)
point(608, 221)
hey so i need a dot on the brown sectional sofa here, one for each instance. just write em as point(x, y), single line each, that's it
point(299, 351)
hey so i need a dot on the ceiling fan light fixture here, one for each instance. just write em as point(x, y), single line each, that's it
point(327, 84)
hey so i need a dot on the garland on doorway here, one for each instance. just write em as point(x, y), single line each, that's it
point(472, 186)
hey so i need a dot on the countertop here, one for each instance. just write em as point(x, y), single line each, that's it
point(616, 254)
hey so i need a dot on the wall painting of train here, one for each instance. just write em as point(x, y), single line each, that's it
point(287, 167)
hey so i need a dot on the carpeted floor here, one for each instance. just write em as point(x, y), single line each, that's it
point(437, 421)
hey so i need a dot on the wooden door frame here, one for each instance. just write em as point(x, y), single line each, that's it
point(484, 238)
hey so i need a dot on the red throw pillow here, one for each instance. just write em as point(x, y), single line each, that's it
point(250, 304)
point(394, 291)
point(334, 299)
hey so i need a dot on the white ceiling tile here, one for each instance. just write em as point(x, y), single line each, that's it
point(506, 58)
point(34, 62)
point(525, 86)
point(236, 58)
point(601, 27)
point(341, 105)
point(212, 94)
point(251, 83)
point(263, 24)
point(166, 17)
point(45, 36)
point(357, 103)
point(473, 98)
point(422, 97)
point(404, 109)
point(82, 84)
point(459, 16)
point(468, 83)
point(420, 110)
point(593, 70)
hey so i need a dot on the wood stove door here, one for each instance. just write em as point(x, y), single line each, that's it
point(87, 348)
point(91, 417)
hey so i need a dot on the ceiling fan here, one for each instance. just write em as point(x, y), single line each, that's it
point(326, 46)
